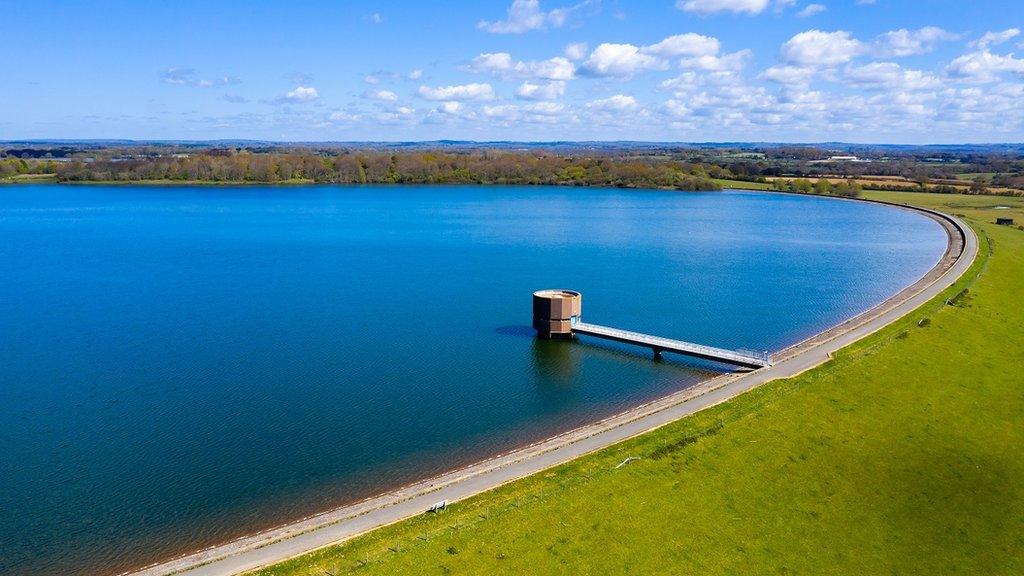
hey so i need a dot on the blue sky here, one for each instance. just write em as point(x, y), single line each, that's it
point(897, 71)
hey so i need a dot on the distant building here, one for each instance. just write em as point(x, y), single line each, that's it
point(1004, 221)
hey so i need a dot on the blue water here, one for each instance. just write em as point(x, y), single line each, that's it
point(180, 366)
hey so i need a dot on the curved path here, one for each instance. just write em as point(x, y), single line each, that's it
point(343, 523)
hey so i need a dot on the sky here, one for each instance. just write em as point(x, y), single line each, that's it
point(873, 71)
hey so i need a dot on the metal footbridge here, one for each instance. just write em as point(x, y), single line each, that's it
point(744, 358)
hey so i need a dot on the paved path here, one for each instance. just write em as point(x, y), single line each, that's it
point(315, 532)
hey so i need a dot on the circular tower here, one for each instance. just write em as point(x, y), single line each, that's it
point(555, 312)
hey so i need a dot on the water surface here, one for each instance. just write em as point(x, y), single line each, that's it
point(181, 366)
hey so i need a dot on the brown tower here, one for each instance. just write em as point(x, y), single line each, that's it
point(555, 312)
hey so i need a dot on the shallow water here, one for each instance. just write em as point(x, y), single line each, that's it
point(181, 366)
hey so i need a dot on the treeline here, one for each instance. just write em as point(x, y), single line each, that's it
point(845, 188)
point(481, 167)
point(17, 166)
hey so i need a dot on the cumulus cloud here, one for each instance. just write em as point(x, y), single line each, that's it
point(452, 108)
point(526, 15)
point(994, 38)
point(905, 42)
point(301, 94)
point(788, 75)
point(984, 66)
point(415, 74)
point(815, 48)
point(715, 6)
point(473, 91)
point(502, 64)
point(537, 112)
point(688, 44)
point(385, 95)
point(733, 62)
point(616, 103)
point(811, 10)
point(576, 51)
point(879, 75)
point(622, 60)
point(549, 91)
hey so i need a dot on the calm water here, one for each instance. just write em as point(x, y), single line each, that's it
point(179, 366)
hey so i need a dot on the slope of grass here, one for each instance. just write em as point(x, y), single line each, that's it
point(743, 184)
point(28, 178)
point(904, 455)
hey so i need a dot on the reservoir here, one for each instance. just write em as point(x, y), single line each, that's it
point(180, 366)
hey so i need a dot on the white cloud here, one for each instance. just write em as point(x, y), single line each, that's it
point(676, 108)
point(905, 42)
point(301, 94)
point(877, 75)
point(725, 63)
point(616, 103)
point(451, 108)
point(502, 64)
point(994, 38)
point(526, 15)
point(815, 48)
point(983, 66)
point(557, 68)
point(496, 62)
point(714, 6)
point(549, 91)
point(576, 51)
point(385, 95)
point(341, 116)
point(376, 18)
point(788, 75)
point(622, 60)
point(464, 92)
point(544, 112)
point(415, 74)
point(688, 44)
point(811, 10)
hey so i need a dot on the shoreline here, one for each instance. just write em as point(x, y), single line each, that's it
point(339, 524)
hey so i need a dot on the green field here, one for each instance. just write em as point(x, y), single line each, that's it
point(28, 178)
point(984, 176)
point(904, 455)
point(744, 185)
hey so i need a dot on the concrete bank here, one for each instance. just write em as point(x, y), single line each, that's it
point(288, 541)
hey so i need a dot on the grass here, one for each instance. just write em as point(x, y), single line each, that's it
point(28, 178)
point(984, 176)
point(743, 184)
point(903, 455)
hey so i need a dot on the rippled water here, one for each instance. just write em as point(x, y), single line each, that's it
point(181, 366)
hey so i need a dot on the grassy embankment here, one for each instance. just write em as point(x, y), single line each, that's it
point(28, 178)
point(743, 184)
point(901, 456)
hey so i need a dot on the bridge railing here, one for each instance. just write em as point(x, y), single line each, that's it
point(763, 355)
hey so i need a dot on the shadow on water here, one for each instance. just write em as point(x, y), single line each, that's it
point(556, 361)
